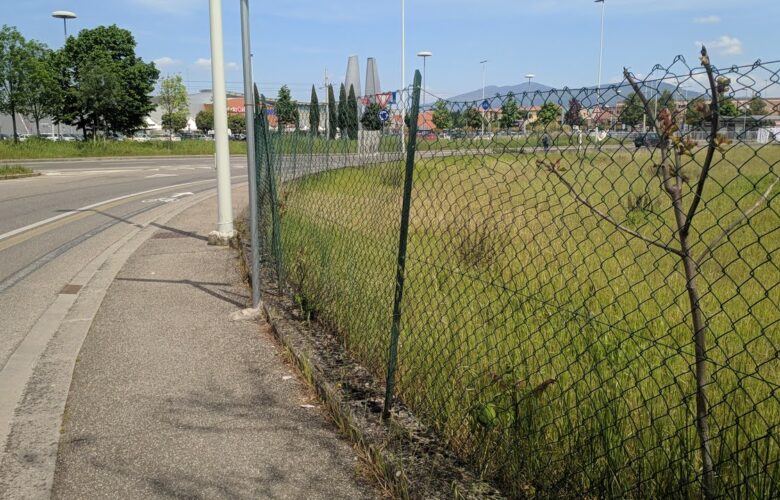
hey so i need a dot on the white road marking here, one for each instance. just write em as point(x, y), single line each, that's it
point(10, 234)
point(160, 175)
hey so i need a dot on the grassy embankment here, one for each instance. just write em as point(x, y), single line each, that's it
point(545, 346)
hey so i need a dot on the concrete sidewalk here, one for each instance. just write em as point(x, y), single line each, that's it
point(171, 399)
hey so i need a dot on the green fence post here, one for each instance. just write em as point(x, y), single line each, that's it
point(403, 238)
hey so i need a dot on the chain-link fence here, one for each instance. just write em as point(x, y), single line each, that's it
point(576, 289)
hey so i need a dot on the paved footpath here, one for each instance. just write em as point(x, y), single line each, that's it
point(172, 399)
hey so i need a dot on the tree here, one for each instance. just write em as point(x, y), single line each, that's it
point(510, 113)
point(697, 112)
point(573, 115)
point(314, 114)
point(103, 60)
point(174, 121)
point(352, 114)
point(204, 120)
point(342, 110)
point(173, 101)
point(757, 107)
point(728, 107)
point(332, 114)
point(370, 119)
point(472, 118)
point(286, 109)
point(12, 73)
point(633, 111)
point(666, 101)
point(549, 113)
point(40, 95)
point(442, 116)
point(237, 123)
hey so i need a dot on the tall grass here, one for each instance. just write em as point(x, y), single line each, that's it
point(549, 349)
point(34, 148)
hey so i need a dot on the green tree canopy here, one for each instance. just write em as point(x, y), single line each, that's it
point(573, 115)
point(174, 121)
point(286, 109)
point(757, 106)
point(633, 111)
point(728, 107)
point(442, 116)
point(332, 113)
point(510, 112)
point(342, 111)
point(352, 114)
point(472, 118)
point(105, 85)
point(237, 123)
point(204, 120)
point(549, 113)
point(370, 119)
point(12, 72)
point(314, 113)
point(40, 92)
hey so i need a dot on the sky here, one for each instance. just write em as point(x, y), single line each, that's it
point(295, 41)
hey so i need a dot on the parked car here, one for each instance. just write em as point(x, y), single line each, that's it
point(140, 137)
point(5, 137)
point(649, 140)
point(68, 137)
point(50, 137)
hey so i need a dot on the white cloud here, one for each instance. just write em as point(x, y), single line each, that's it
point(163, 62)
point(725, 45)
point(706, 20)
point(203, 63)
point(231, 66)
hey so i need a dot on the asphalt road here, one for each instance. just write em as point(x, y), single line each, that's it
point(53, 225)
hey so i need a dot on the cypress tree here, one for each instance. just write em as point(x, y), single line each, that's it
point(332, 115)
point(314, 114)
point(352, 114)
point(342, 112)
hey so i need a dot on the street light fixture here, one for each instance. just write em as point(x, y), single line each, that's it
point(601, 49)
point(425, 55)
point(64, 15)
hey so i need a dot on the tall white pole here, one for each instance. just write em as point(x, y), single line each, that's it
point(403, 75)
point(249, 108)
point(225, 204)
point(601, 49)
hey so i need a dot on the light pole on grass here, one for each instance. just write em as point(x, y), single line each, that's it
point(64, 15)
point(529, 77)
point(601, 48)
point(425, 55)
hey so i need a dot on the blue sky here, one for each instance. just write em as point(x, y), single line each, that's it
point(294, 41)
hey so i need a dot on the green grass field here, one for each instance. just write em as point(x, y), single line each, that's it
point(32, 149)
point(12, 170)
point(549, 349)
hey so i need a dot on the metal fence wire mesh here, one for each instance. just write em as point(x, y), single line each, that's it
point(590, 297)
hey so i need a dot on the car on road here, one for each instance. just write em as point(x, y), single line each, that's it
point(50, 137)
point(649, 140)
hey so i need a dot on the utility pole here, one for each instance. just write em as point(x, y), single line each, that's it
point(484, 66)
point(327, 105)
point(249, 108)
point(601, 49)
point(224, 232)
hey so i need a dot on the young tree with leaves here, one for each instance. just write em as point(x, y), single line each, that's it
point(352, 114)
point(173, 101)
point(204, 120)
point(633, 110)
point(343, 113)
point(472, 118)
point(314, 113)
point(370, 119)
point(549, 113)
point(510, 112)
point(757, 107)
point(442, 116)
point(573, 116)
point(286, 109)
point(332, 114)
point(237, 123)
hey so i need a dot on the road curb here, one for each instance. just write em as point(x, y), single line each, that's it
point(16, 161)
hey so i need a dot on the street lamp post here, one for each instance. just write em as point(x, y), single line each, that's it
point(425, 55)
point(529, 76)
point(64, 15)
point(601, 48)
point(484, 68)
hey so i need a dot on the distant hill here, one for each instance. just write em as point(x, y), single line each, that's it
point(537, 94)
